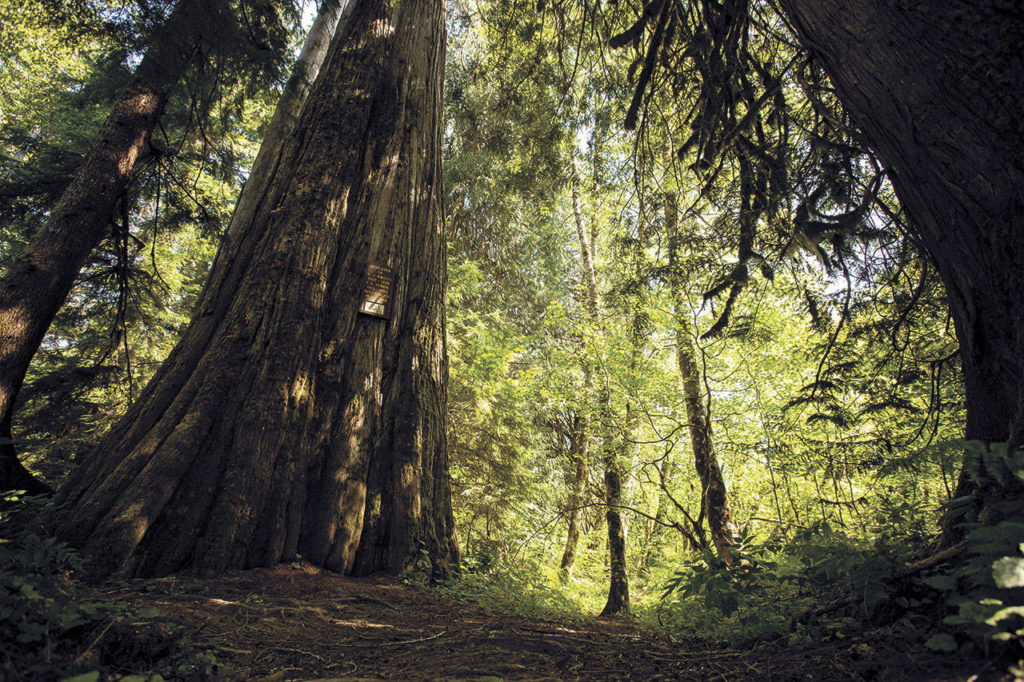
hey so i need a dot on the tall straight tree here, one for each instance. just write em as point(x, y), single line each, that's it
point(577, 456)
point(618, 583)
point(936, 90)
point(286, 421)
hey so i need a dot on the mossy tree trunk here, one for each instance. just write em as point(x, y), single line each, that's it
point(285, 422)
point(714, 494)
point(618, 586)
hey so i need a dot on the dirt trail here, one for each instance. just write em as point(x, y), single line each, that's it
point(292, 623)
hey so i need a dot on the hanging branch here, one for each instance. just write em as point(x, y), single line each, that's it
point(634, 33)
point(648, 68)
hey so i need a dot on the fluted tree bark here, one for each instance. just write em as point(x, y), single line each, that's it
point(286, 421)
point(286, 114)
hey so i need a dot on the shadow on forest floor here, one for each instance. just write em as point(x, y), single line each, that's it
point(297, 623)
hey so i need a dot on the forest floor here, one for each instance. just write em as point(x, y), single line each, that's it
point(297, 623)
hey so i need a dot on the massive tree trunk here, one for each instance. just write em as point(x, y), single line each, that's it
point(936, 90)
point(714, 495)
point(286, 421)
point(41, 276)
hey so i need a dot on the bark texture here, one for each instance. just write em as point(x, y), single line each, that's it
point(41, 276)
point(714, 494)
point(286, 114)
point(285, 422)
point(618, 586)
point(936, 90)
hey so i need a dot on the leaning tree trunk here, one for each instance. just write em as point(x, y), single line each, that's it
point(936, 90)
point(714, 494)
point(286, 421)
point(39, 279)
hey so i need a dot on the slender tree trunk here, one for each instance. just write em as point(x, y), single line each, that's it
point(666, 472)
point(628, 448)
point(41, 276)
point(579, 454)
point(714, 496)
point(618, 589)
point(935, 89)
point(585, 241)
point(637, 333)
point(285, 421)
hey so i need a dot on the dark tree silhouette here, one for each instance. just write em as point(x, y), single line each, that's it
point(936, 89)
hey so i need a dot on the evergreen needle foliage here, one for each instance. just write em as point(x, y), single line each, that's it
point(696, 348)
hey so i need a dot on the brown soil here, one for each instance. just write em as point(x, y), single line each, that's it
point(296, 623)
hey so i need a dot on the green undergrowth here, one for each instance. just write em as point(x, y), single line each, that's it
point(983, 589)
point(56, 628)
point(819, 586)
point(964, 605)
point(528, 589)
point(696, 596)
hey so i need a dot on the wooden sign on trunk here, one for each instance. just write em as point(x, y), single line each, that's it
point(377, 293)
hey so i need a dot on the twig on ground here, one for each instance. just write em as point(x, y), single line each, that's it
point(411, 641)
point(297, 651)
point(78, 659)
point(233, 651)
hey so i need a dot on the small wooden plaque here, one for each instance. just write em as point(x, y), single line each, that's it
point(377, 293)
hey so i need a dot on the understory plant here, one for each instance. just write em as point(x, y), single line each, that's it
point(983, 589)
point(53, 626)
point(44, 614)
point(524, 587)
point(775, 591)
